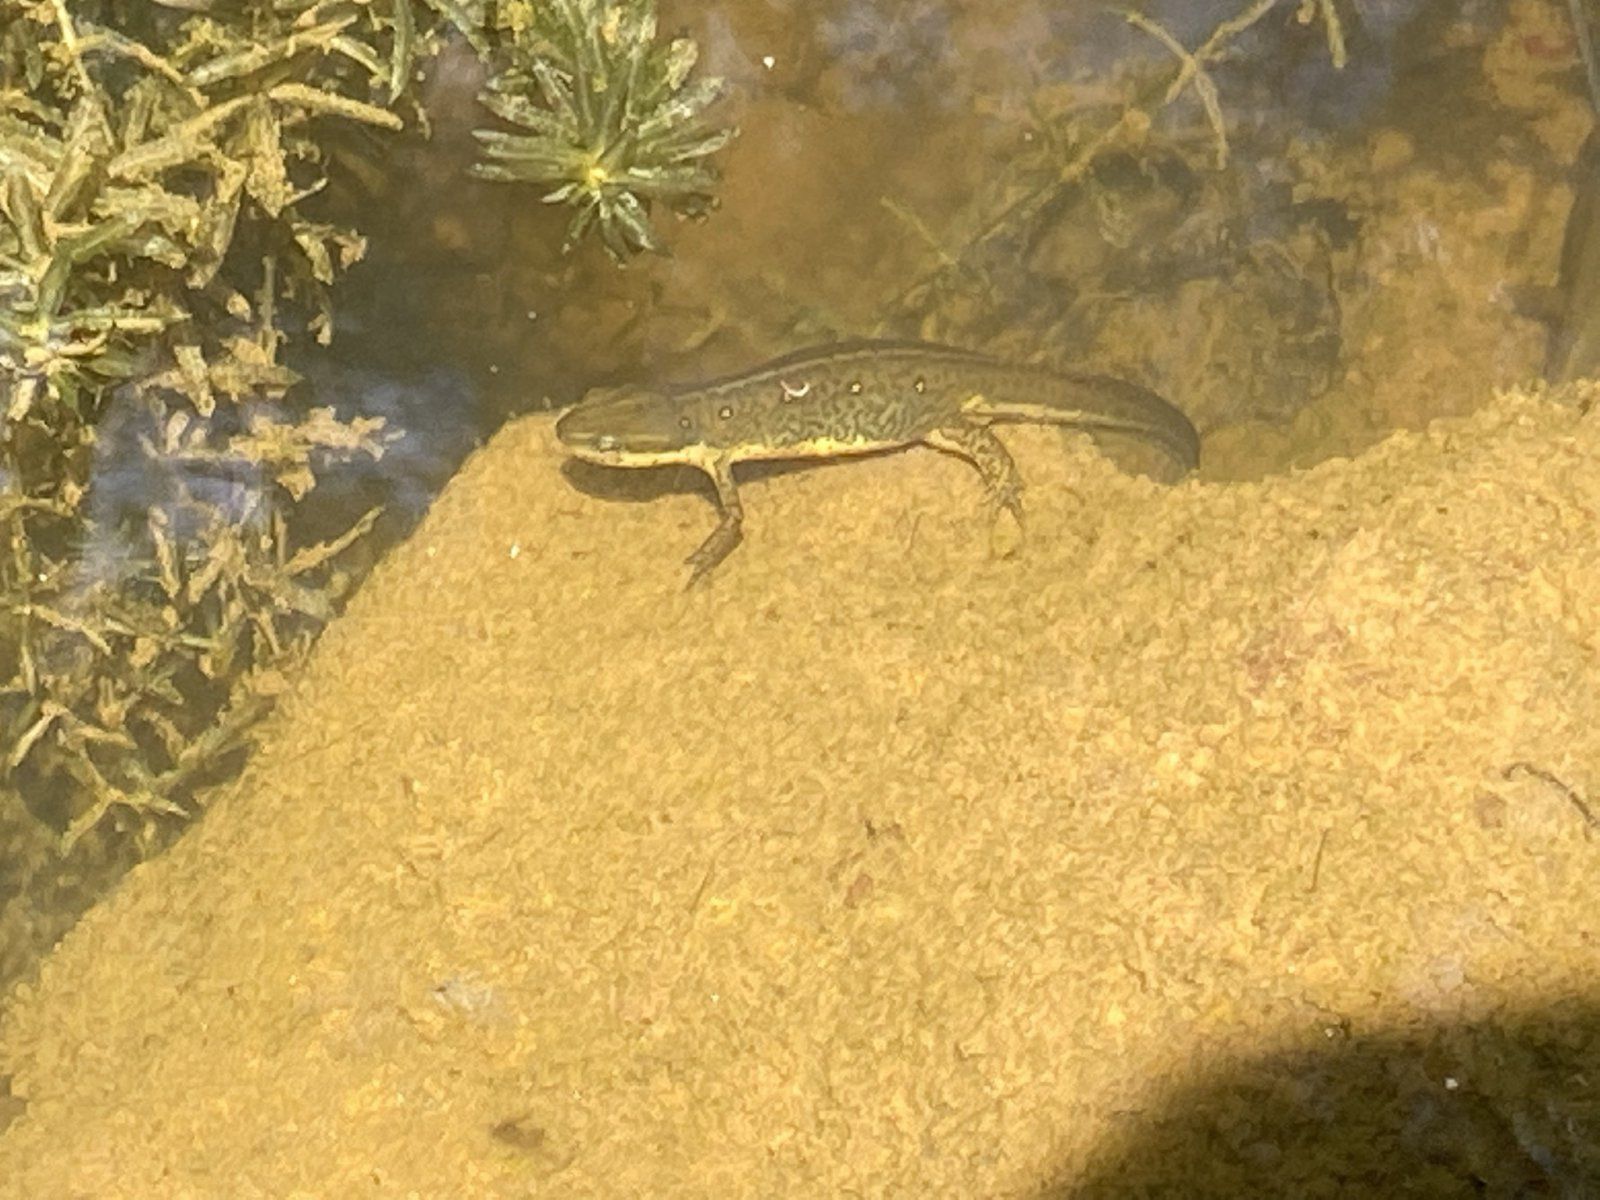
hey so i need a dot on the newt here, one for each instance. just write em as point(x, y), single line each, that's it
point(858, 398)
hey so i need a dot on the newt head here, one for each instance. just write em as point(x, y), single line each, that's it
point(628, 427)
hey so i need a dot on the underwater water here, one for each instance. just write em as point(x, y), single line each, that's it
point(589, 853)
point(881, 142)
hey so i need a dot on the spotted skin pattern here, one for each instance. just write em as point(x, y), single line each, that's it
point(856, 398)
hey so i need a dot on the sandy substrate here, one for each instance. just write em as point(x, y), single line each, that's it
point(1231, 835)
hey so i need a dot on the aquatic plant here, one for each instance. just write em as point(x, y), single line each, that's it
point(1068, 147)
point(155, 253)
point(613, 120)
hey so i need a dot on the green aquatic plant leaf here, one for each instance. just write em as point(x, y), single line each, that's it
point(609, 117)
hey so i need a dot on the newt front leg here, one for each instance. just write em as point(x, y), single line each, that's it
point(730, 529)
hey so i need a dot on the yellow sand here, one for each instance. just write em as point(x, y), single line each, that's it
point(882, 866)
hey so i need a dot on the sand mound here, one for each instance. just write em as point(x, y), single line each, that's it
point(882, 866)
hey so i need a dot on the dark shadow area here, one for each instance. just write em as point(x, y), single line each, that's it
point(1500, 1108)
point(638, 485)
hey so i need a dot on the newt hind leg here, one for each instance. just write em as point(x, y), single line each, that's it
point(1002, 482)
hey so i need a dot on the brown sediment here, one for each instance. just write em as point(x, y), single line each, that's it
point(880, 865)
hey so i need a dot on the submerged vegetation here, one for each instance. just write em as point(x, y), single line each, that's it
point(617, 122)
point(1068, 146)
point(154, 249)
point(160, 243)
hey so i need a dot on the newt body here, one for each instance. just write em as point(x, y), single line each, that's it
point(857, 398)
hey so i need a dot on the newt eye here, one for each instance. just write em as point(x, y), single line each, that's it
point(684, 423)
point(725, 412)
